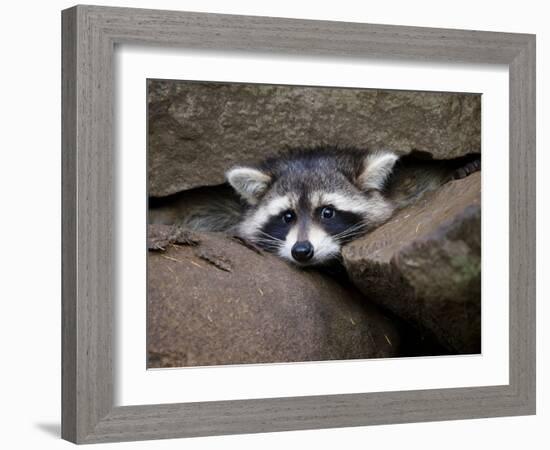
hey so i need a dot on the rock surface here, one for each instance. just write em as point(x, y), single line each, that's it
point(424, 265)
point(197, 130)
point(212, 300)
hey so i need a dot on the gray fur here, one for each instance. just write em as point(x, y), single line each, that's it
point(215, 208)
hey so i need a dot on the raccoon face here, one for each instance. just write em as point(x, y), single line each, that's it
point(304, 208)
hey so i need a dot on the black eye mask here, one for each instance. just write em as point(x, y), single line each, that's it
point(339, 222)
point(276, 227)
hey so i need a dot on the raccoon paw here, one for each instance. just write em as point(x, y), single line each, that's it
point(467, 169)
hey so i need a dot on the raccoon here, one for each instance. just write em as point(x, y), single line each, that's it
point(305, 205)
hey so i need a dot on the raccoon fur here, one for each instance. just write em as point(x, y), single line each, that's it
point(305, 205)
point(208, 208)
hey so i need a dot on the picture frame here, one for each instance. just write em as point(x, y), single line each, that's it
point(90, 34)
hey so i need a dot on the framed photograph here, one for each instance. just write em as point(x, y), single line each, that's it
point(276, 224)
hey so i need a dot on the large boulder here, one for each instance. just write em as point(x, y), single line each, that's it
point(424, 265)
point(197, 130)
point(213, 300)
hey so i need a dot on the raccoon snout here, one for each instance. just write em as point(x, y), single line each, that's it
point(302, 251)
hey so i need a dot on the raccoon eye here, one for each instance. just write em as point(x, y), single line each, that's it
point(288, 216)
point(327, 212)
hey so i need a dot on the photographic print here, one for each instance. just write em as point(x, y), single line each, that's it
point(299, 223)
point(229, 161)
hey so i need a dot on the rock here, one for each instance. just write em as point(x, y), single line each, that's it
point(216, 301)
point(425, 264)
point(197, 130)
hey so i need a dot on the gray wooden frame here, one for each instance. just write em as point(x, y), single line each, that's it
point(89, 36)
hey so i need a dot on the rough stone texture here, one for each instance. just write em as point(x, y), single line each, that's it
point(425, 264)
point(216, 301)
point(198, 130)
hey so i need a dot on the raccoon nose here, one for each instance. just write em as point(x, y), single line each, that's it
point(302, 251)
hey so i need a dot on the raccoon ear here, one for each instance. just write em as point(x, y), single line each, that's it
point(376, 169)
point(249, 183)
